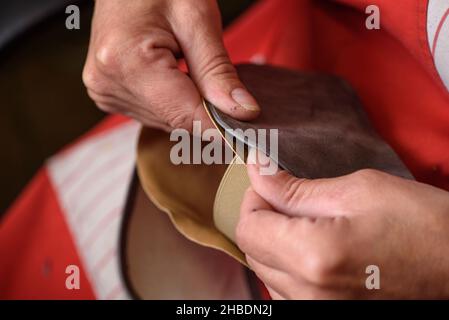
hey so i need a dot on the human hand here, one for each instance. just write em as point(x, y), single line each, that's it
point(313, 239)
point(131, 67)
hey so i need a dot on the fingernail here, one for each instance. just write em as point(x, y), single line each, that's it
point(244, 99)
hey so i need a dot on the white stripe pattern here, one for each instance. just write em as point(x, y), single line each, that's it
point(91, 181)
point(438, 36)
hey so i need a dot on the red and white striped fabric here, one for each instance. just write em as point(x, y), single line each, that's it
point(70, 213)
point(91, 183)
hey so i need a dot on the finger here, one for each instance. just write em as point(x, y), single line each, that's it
point(274, 294)
point(112, 104)
point(291, 195)
point(252, 201)
point(275, 280)
point(147, 74)
point(210, 66)
point(154, 89)
point(149, 122)
point(282, 286)
point(295, 244)
point(262, 233)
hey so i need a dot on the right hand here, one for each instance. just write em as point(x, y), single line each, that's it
point(132, 67)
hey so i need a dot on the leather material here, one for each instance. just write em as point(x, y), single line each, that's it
point(323, 132)
point(229, 196)
point(186, 193)
point(154, 250)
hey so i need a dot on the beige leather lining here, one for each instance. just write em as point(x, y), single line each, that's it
point(229, 197)
point(186, 193)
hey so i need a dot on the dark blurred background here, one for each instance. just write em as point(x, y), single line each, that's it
point(43, 101)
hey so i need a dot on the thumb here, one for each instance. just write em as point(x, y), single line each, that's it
point(211, 68)
point(291, 195)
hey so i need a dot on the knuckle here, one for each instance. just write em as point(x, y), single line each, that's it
point(155, 46)
point(105, 107)
point(293, 192)
point(95, 82)
point(179, 119)
point(322, 266)
point(318, 269)
point(145, 49)
point(155, 58)
point(132, 55)
point(217, 65)
point(367, 176)
point(366, 182)
point(108, 57)
point(90, 77)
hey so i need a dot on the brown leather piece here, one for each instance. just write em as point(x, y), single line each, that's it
point(323, 129)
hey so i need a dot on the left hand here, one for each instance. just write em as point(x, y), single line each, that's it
point(314, 239)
